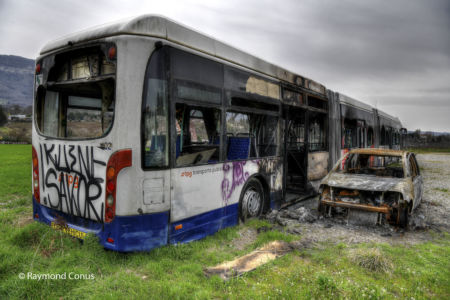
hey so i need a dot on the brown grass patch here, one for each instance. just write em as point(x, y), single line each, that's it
point(372, 259)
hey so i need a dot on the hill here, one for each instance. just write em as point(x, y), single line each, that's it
point(16, 80)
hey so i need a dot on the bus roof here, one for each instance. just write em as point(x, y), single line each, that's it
point(388, 116)
point(162, 27)
point(346, 100)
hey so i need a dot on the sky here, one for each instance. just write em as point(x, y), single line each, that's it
point(391, 54)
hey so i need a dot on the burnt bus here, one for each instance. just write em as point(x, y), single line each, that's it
point(147, 133)
point(355, 124)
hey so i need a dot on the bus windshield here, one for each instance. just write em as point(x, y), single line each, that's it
point(78, 99)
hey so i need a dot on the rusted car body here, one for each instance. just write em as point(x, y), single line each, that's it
point(382, 181)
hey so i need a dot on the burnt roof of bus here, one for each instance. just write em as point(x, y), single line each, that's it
point(389, 120)
point(388, 116)
point(162, 27)
point(346, 100)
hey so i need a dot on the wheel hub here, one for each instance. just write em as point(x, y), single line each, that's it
point(252, 200)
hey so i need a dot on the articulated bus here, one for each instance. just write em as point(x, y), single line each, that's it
point(366, 127)
point(147, 133)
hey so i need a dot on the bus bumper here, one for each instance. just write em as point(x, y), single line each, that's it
point(123, 234)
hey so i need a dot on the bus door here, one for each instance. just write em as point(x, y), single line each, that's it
point(196, 197)
point(295, 152)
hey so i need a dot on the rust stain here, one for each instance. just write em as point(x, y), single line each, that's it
point(382, 209)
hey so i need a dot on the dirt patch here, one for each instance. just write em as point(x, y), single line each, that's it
point(24, 220)
point(246, 237)
point(431, 216)
point(249, 261)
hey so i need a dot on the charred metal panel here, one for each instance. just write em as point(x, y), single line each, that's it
point(369, 183)
point(376, 131)
point(392, 195)
point(314, 86)
point(388, 120)
point(293, 98)
point(334, 127)
point(354, 113)
point(317, 165)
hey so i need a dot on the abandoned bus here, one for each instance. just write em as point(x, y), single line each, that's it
point(147, 133)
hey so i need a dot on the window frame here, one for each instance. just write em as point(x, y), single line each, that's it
point(165, 58)
point(237, 110)
point(63, 103)
point(73, 52)
point(194, 104)
point(174, 100)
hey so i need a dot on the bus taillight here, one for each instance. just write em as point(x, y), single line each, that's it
point(119, 160)
point(112, 53)
point(35, 175)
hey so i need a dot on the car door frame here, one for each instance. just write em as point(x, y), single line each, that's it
point(417, 180)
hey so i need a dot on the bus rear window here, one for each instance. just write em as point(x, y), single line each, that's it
point(76, 111)
point(75, 98)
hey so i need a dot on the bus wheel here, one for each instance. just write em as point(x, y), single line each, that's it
point(251, 203)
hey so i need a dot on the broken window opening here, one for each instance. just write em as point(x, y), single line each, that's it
point(251, 135)
point(198, 135)
point(77, 98)
point(317, 103)
point(370, 137)
point(349, 134)
point(76, 111)
point(317, 132)
point(376, 165)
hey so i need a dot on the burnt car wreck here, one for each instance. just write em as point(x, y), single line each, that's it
point(385, 182)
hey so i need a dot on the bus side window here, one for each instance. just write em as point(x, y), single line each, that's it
point(251, 135)
point(198, 135)
point(155, 141)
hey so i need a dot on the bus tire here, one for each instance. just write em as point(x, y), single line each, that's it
point(251, 203)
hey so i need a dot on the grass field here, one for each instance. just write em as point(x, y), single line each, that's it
point(429, 150)
point(370, 271)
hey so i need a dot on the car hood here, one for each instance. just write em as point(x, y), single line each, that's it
point(367, 182)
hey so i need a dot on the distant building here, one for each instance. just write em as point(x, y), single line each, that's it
point(19, 118)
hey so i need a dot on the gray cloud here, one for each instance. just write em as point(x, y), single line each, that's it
point(391, 54)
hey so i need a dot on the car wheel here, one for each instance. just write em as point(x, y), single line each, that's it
point(251, 203)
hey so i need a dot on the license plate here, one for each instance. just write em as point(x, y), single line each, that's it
point(69, 230)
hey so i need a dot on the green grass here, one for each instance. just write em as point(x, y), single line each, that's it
point(328, 271)
point(444, 190)
point(15, 173)
point(428, 150)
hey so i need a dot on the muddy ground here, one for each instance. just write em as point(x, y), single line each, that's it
point(430, 217)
